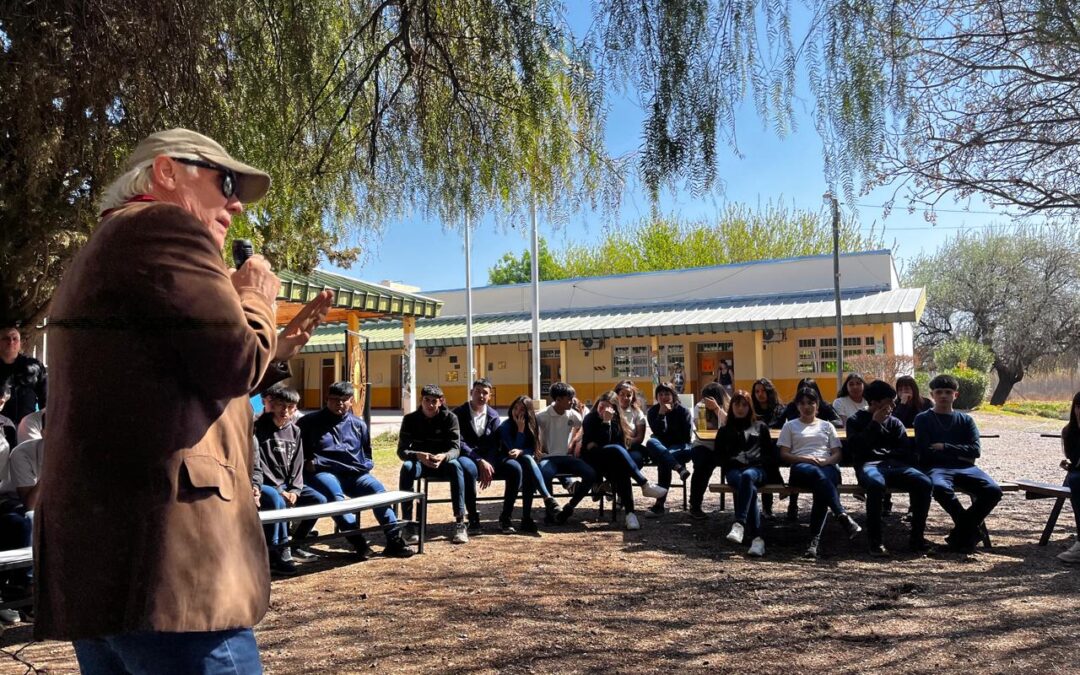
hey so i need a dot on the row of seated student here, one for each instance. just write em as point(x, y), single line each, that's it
point(21, 454)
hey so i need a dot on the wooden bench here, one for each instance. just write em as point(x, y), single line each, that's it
point(845, 489)
point(1036, 490)
point(389, 498)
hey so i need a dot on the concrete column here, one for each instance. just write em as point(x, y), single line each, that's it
point(353, 357)
point(564, 374)
point(408, 365)
point(481, 363)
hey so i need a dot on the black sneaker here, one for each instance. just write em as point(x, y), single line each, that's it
point(564, 515)
point(474, 525)
point(280, 566)
point(697, 514)
point(506, 526)
point(551, 510)
point(919, 545)
point(655, 511)
point(877, 551)
point(361, 547)
point(396, 548)
point(528, 525)
point(303, 554)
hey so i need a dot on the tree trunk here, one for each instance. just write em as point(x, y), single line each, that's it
point(1006, 380)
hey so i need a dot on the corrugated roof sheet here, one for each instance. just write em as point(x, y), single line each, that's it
point(800, 310)
point(355, 294)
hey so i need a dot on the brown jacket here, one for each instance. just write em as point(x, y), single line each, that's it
point(146, 519)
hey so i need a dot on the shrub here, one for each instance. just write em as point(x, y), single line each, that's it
point(886, 367)
point(961, 353)
point(973, 385)
point(922, 378)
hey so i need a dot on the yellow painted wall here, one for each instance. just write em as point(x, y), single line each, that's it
point(591, 372)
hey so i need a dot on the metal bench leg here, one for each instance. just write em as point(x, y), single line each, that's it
point(423, 522)
point(986, 537)
point(723, 501)
point(1051, 522)
point(685, 501)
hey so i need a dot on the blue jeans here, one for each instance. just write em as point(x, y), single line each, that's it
point(666, 458)
point(337, 487)
point(1073, 481)
point(746, 482)
point(450, 470)
point(822, 480)
point(309, 496)
point(875, 477)
point(553, 465)
point(985, 495)
point(270, 500)
point(507, 471)
point(224, 652)
point(532, 480)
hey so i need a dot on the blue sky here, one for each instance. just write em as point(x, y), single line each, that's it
point(771, 168)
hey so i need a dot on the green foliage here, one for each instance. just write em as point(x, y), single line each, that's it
point(739, 234)
point(384, 449)
point(1016, 290)
point(511, 270)
point(922, 378)
point(1055, 410)
point(965, 351)
point(973, 386)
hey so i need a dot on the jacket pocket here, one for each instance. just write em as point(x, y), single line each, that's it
point(207, 473)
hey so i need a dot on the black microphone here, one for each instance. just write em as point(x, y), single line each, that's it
point(242, 249)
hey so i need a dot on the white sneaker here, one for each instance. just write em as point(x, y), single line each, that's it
point(757, 548)
point(9, 616)
point(411, 534)
point(653, 490)
point(461, 534)
point(1072, 555)
point(736, 534)
point(632, 522)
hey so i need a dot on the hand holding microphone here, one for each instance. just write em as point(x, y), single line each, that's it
point(253, 271)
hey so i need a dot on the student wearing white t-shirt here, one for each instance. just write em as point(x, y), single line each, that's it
point(635, 418)
point(849, 400)
point(812, 448)
point(560, 431)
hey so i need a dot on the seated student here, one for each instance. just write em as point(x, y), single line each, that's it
point(824, 410)
point(849, 400)
point(630, 410)
point(909, 402)
point(710, 413)
point(811, 447)
point(477, 423)
point(24, 470)
point(768, 408)
point(948, 443)
point(744, 449)
point(338, 464)
point(886, 458)
point(8, 427)
point(520, 441)
point(428, 445)
point(670, 447)
point(560, 435)
point(15, 532)
point(604, 434)
point(279, 476)
point(1070, 443)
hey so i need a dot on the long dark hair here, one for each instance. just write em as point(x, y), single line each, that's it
point(1070, 435)
point(740, 423)
point(808, 383)
point(612, 399)
point(843, 388)
point(916, 395)
point(532, 428)
point(772, 398)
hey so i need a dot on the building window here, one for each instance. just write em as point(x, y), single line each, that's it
point(630, 362)
point(670, 357)
point(818, 355)
point(715, 347)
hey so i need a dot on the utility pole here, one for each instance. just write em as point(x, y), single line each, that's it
point(831, 201)
point(469, 370)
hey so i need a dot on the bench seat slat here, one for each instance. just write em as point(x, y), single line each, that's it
point(389, 498)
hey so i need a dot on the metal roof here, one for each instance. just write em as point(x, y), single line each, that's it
point(358, 295)
point(797, 310)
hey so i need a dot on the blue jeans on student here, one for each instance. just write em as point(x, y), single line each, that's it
point(746, 481)
point(532, 480)
point(554, 465)
point(823, 481)
point(223, 652)
point(309, 496)
point(1073, 481)
point(450, 470)
point(505, 470)
point(340, 486)
point(666, 458)
point(876, 477)
point(271, 500)
point(985, 495)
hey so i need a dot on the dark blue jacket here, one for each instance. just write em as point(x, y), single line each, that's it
point(870, 441)
point(957, 431)
point(671, 429)
point(437, 435)
point(473, 446)
point(512, 439)
point(336, 444)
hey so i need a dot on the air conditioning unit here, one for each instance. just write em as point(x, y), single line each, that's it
point(434, 351)
point(589, 344)
point(770, 335)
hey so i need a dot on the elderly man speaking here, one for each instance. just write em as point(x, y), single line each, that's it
point(148, 550)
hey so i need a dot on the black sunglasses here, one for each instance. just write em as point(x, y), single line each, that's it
point(228, 178)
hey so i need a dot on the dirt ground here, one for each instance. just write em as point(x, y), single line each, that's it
point(590, 597)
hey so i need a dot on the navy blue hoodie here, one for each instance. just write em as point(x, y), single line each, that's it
point(336, 444)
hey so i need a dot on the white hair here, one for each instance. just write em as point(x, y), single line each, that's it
point(137, 181)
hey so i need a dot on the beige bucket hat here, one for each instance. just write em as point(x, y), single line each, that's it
point(251, 183)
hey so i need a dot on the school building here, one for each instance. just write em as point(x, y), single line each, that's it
point(773, 318)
